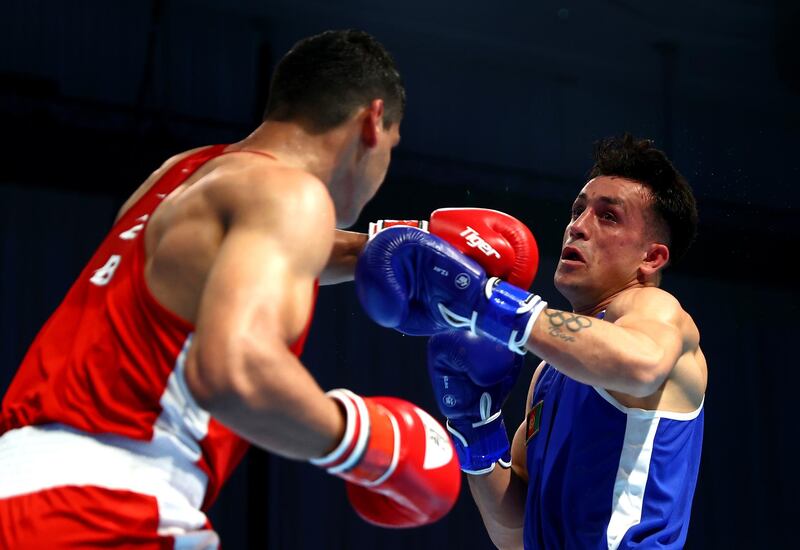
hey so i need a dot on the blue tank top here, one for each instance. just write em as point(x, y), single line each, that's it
point(601, 475)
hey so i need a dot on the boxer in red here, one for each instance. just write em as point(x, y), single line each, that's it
point(178, 344)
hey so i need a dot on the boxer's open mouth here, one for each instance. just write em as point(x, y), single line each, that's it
point(572, 254)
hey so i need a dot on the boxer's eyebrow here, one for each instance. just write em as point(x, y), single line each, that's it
point(614, 201)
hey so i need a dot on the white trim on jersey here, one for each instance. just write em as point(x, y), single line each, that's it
point(36, 458)
point(181, 417)
point(632, 474)
point(164, 467)
point(643, 413)
point(634, 464)
point(205, 539)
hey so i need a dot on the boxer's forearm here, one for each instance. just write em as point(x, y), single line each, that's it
point(341, 266)
point(599, 353)
point(266, 395)
point(500, 497)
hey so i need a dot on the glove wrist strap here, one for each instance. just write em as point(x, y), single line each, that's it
point(380, 225)
point(368, 453)
point(480, 445)
point(508, 314)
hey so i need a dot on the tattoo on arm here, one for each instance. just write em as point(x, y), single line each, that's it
point(560, 320)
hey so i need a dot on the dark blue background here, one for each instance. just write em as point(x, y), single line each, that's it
point(505, 100)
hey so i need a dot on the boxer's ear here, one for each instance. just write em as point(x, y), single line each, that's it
point(372, 124)
point(657, 256)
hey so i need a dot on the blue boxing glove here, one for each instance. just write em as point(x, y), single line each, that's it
point(403, 271)
point(419, 284)
point(471, 378)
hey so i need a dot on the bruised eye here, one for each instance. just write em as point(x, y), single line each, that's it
point(608, 216)
point(576, 211)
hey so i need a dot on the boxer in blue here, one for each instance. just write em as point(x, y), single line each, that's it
point(609, 451)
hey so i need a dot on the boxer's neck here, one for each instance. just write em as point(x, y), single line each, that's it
point(322, 154)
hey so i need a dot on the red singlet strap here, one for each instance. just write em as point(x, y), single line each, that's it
point(262, 153)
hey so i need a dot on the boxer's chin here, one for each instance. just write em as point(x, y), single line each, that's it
point(566, 281)
point(345, 221)
point(347, 217)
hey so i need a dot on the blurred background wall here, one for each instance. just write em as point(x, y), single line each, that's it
point(504, 102)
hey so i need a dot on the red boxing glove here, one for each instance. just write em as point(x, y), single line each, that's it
point(500, 243)
point(398, 461)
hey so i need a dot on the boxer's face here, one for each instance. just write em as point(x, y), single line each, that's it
point(379, 158)
point(370, 172)
point(605, 242)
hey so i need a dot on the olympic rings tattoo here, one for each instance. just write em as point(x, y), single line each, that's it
point(572, 322)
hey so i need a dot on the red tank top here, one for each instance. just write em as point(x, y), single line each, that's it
point(110, 358)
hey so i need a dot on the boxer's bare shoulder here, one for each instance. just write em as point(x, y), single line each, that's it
point(152, 179)
point(655, 312)
point(248, 192)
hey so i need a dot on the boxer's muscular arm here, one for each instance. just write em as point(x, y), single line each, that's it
point(500, 495)
point(341, 267)
point(255, 303)
point(633, 353)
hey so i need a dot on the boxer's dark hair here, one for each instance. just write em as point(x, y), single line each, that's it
point(323, 79)
point(673, 202)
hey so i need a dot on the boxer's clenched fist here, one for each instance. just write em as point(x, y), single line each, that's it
point(399, 463)
point(500, 243)
point(419, 284)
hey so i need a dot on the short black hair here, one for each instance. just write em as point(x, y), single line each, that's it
point(323, 79)
point(673, 202)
